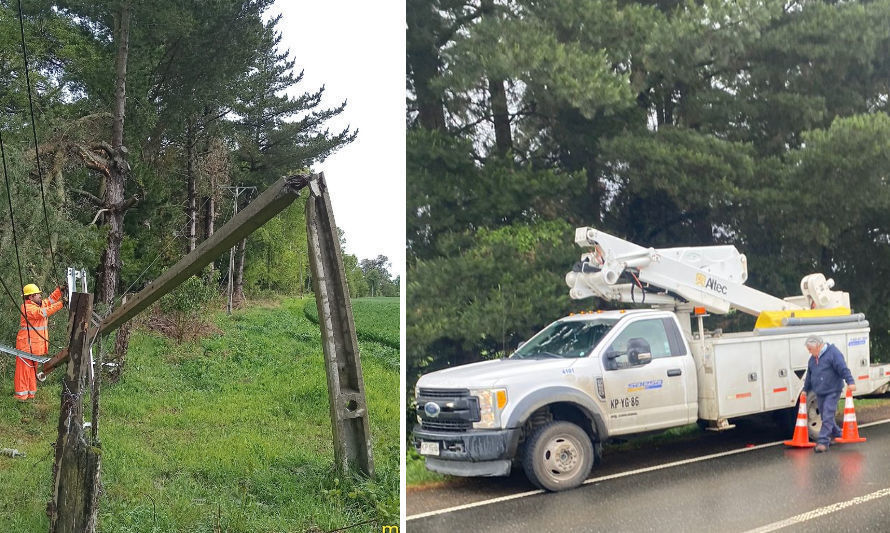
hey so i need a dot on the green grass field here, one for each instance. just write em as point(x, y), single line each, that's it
point(228, 433)
point(369, 315)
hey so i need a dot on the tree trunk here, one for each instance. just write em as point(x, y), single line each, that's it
point(497, 91)
point(191, 210)
point(120, 72)
point(501, 116)
point(423, 58)
point(118, 167)
point(209, 217)
point(121, 345)
point(238, 279)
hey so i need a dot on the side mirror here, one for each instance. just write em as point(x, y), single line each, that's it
point(638, 352)
point(643, 358)
point(612, 354)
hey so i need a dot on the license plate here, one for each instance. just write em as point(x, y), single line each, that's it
point(429, 448)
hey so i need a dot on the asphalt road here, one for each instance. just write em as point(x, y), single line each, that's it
point(768, 487)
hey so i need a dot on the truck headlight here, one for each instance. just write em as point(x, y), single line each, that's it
point(491, 404)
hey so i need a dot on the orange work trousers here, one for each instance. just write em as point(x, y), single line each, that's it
point(25, 380)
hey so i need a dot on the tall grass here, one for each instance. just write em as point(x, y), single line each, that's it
point(228, 433)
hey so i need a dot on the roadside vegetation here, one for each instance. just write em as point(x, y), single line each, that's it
point(229, 432)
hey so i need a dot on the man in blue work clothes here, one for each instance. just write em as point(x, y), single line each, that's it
point(826, 373)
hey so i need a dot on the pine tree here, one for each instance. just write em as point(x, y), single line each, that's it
point(277, 132)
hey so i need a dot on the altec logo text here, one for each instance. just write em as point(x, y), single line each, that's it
point(710, 283)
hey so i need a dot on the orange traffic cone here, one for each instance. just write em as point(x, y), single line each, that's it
point(851, 428)
point(801, 437)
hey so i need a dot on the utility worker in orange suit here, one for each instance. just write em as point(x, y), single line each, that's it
point(33, 337)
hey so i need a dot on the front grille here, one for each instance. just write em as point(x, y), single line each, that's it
point(446, 425)
point(443, 393)
point(458, 410)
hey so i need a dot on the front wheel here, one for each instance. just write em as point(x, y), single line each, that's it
point(558, 456)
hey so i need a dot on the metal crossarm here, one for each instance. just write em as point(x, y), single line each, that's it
point(24, 355)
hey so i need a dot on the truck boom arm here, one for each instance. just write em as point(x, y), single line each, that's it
point(708, 276)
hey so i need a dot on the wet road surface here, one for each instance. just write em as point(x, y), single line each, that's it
point(847, 489)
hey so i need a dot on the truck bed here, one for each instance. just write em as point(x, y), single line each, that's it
point(746, 373)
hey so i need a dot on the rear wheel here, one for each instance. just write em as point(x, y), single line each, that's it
point(814, 417)
point(558, 456)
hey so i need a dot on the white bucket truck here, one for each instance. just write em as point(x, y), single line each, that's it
point(595, 375)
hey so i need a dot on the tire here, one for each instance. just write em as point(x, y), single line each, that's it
point(558, 456)
point(814, 417)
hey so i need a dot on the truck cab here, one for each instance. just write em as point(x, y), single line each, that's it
point(551, 404)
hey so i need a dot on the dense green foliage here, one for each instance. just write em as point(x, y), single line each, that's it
point(212, 101)
point(758, 124)
point(231, 431)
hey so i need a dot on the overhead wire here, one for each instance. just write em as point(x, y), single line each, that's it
point(15, 240)
point(24, 315)
point(166, 248)
point(16, 246)
point(55, 267)
point(40, 173)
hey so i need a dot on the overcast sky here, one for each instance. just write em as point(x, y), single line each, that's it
point(356, 50)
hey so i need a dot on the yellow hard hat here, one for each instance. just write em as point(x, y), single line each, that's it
point(30, 289)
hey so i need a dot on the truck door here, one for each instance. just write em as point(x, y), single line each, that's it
point(649, 377)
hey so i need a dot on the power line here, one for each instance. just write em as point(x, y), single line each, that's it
point(22, 312)
point(166, 248)
point(15, 239)
point(36, 149)
point(16, 246)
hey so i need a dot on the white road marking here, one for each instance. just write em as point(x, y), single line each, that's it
point(509, 497)
point(822, 511)
point(475, 504)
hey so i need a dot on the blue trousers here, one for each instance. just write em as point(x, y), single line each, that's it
point(828, 408)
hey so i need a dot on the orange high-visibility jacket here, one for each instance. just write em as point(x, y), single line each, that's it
point(33, 335)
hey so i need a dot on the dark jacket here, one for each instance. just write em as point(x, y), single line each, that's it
point(827, 375)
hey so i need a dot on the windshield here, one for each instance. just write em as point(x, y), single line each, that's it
point(567, 339)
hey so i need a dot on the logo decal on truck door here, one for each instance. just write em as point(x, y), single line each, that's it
point(645, 385)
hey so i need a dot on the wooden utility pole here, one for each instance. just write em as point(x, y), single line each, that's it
point(75, 504)
point(236, 191)
point(346, 386)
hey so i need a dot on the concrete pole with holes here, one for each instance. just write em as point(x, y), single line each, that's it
point(346, 390)
point(346, 386)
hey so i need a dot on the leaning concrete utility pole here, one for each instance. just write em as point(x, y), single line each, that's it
point(346, 386)
point(346, 390)
point(273, 200)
